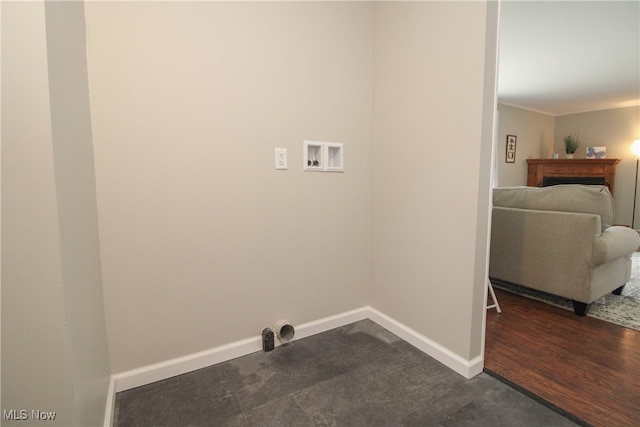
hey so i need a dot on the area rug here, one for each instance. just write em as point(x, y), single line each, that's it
point(621, 309)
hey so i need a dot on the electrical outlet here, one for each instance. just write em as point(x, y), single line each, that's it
point(281, 158)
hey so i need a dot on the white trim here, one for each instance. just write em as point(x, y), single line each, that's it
point(191, 362)
point(181, 365)
point(318, 326)
point(110, 406)
point(466, 368)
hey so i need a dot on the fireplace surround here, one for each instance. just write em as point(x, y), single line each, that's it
point(544, 172)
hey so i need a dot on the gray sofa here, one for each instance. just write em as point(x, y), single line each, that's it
point(560, 240)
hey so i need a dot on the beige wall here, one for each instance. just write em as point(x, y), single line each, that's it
point(54, 355)
point(186, 117)
point(77, 211)
point(36, 370)
point(615, 129)
point(428, 180)
point(535, 140)
point(540, 135)
point(203, 242)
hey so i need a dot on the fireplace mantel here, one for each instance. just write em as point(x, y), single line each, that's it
point(588, 168)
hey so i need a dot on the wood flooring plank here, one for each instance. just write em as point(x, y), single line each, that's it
point(585, 366)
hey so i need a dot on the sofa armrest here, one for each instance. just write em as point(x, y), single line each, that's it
point(615, 242)
point(547, 250)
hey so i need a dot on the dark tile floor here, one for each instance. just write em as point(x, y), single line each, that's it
point(356, 375)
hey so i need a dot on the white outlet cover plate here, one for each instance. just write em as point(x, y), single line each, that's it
point(281, 159)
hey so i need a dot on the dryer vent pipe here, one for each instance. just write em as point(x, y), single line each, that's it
point(284, 331)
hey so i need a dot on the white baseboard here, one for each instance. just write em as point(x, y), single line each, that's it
point(111, 397)
point(181, 365)
point(191, 362)
point(466, 368)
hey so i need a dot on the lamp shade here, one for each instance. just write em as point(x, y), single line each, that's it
point(635, 148)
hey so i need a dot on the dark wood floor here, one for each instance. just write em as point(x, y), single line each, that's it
point(584, 366)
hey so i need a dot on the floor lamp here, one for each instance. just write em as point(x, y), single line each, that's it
point(635, 147)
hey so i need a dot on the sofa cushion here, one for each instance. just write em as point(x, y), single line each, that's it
point(590, 199)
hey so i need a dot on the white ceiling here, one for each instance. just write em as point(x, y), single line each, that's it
point(561, 57)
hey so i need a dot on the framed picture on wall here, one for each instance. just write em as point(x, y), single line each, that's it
point(511, 149)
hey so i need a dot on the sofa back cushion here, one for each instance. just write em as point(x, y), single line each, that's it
point(591, 199)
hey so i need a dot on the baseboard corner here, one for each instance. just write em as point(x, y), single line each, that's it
point(170, 368)
point(110, 405)
point(464, 367)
